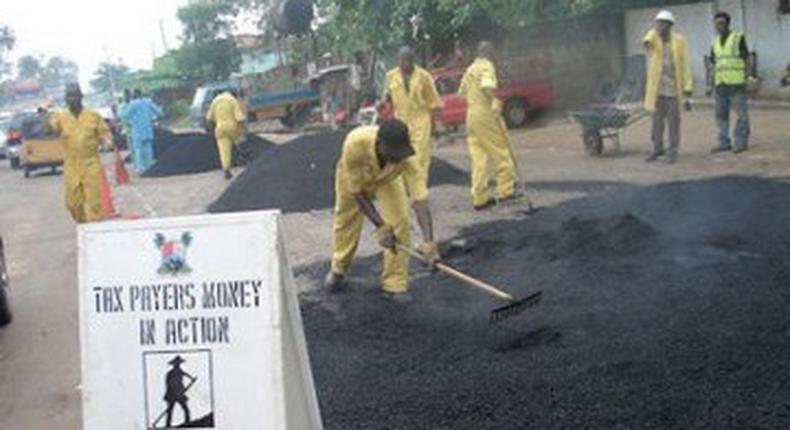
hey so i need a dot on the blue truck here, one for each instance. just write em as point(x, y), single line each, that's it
point(292, 107)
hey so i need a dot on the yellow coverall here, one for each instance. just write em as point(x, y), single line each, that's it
point(488, 138)
point(82, 166)
point(680, 58)
point(227, 115)
point(414, 107)
point(358, 172)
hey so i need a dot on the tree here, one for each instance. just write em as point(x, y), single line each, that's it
point(208, 52)
point(109, 76)
point(28, 67)
point(59, 71)
point(7, 41)
point(206, 22)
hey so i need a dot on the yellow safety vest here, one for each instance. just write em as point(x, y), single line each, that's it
point(730, 67)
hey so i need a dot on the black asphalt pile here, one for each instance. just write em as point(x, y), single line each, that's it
point(185, 153)
point(664, 307)
point(299, 177)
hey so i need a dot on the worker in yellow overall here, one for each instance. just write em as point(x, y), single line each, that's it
point(414, 99)
point(226, 116)
point(81, 130)
point(370, 169)
point(488, 138)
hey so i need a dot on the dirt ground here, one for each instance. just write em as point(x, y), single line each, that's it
point(39, 366)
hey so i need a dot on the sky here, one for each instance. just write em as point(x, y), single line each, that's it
point(90, 32)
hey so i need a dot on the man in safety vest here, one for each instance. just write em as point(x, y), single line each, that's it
point(669, 82)
point(414, 99)
point(732, 70)
point(488, 138)
point(370, 169)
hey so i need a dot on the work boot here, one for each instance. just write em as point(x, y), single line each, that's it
point(671, 159)
point(488, 203)
point(739, 150)
point(334, 282)
point(653, 157)
point(228, 175)
point(720, 149)
point(398, 298)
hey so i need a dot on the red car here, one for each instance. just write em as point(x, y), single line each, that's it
point(519, 99)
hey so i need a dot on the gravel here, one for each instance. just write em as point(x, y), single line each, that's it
point(664, 307)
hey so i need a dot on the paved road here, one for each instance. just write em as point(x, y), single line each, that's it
point(39, 351)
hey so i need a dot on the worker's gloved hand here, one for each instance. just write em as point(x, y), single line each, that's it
point(386, 237)
point(430, 252)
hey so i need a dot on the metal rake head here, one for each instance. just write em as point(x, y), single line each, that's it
point(515, 308)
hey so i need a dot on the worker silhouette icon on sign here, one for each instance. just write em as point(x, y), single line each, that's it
point(187, 391)
point(176, 392)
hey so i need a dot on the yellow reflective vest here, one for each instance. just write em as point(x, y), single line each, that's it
point(730, 67)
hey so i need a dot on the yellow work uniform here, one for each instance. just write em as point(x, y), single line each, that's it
point(680, 56)
point(488, 138)
point(413, 106)
point(227, 115)
point(82, 166)
point(358, 172)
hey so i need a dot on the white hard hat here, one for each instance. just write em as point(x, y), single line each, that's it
point(666, 15)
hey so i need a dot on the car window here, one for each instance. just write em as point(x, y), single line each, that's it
point(200, 97)
point(447, 85)
point(36, 126)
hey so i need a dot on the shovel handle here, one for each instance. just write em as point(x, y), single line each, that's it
point(463, 277)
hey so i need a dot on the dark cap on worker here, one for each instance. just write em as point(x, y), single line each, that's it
point(394, 137)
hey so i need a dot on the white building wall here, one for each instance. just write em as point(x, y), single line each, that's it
point(767, 32)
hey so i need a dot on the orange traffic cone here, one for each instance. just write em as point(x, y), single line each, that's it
point(121, 175)
point(107, 205)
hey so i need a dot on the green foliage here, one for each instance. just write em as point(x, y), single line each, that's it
point(214, 60)
point(59, 71)
point(28, 67)
point(179, 109)
point(109, 75)
point(206, 21)
point(208, 53)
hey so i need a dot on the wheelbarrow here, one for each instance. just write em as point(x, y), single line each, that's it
point(605, 122)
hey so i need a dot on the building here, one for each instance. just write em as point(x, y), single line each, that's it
point(765, 22)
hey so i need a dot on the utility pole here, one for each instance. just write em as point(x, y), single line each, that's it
point(162, 34)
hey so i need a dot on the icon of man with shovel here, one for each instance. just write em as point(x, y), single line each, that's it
point(176, 391)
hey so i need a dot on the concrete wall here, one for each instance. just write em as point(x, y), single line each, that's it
point(767, 32)
point(575, 56)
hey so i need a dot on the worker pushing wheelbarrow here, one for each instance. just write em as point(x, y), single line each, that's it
point(605, 122)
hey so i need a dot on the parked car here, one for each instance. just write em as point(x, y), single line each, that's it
point(520, 99)
point(33, 145)
point(5, 118)
point(5, 306)
point(14, 137)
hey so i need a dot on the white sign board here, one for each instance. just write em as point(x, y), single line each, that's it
point(192, 323)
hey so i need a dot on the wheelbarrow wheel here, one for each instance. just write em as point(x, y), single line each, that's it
point(593, 142)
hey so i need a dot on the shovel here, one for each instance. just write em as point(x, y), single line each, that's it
point(512, 308)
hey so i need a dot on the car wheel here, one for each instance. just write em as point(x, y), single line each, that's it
point(515, 113)
point(15, 163)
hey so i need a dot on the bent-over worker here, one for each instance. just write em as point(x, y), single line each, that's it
point(370, 169)
point(488, 137)
point(226, 116)
point(81, 130)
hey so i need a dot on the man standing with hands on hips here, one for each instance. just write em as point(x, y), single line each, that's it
point(669, 82)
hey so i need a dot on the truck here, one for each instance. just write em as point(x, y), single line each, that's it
point(282, 93)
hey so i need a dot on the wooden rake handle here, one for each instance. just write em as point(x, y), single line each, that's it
point(463, 277)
